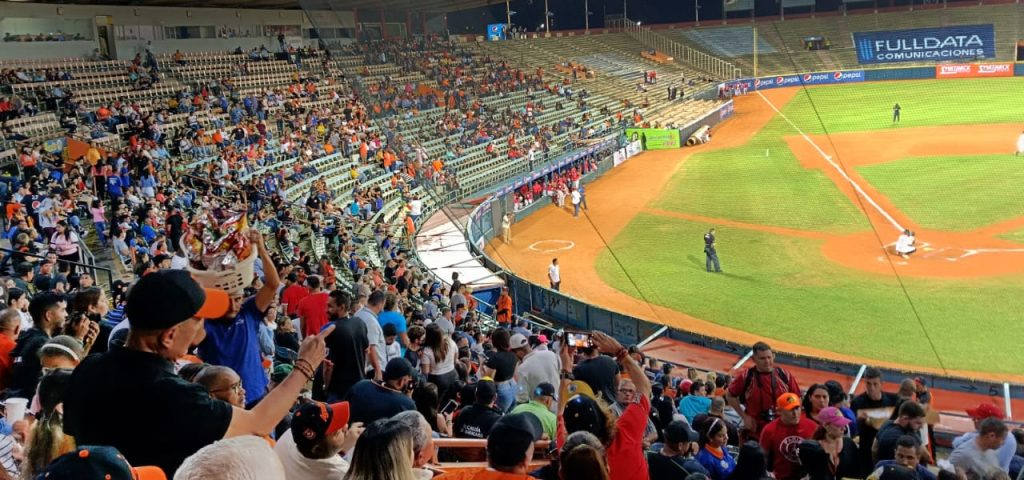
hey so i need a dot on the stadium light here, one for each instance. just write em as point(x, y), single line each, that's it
point(638, 23)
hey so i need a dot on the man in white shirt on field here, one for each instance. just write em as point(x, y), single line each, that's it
point(576, 202)
point(554, 276)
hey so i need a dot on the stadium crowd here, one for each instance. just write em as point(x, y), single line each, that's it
point(331, 367)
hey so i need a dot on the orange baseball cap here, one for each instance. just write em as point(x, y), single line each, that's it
point(787, 401)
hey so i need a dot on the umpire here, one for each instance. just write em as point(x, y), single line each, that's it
point(709, 251)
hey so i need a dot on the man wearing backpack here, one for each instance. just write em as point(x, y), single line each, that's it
point(757, 388)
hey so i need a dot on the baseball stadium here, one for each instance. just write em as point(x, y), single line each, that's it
point(371, 231)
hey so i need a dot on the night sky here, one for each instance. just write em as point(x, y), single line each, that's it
point(568, 14)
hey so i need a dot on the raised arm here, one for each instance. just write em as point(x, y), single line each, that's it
point(271, 281)
point(607, 344)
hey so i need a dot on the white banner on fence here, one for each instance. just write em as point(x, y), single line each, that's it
point(619, 156)
point(633, 149)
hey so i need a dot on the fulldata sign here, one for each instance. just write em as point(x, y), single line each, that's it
point(961, 42)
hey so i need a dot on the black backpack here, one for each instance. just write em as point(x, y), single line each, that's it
point(749, 379)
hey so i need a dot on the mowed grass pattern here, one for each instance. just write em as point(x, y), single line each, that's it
point(783, 288)
point(952, 193)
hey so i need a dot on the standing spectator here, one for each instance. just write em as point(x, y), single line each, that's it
point(757, 389)
point(65, 242)
point(626, 396)
point(535, 367)
point(375, 361)
point(977, 459)
point(293, 292)
point(437, 360)
point(751, 464)
point(347, 346)
point(503, 308)
point(864, 406)
point(392, 316)
point(510, 449)
point(979, 414)
point(10, 328)
point(501, 366)
point(598, 371)
point(312, 309)
point(554, 275)
point(909, 421)
point(417, 335)
point(370, 401)
point(542, 400)
point(781, 438)
point(675, 457)
point(315, 446)
point(166, 310)
point(831, 454)
point(476, 420)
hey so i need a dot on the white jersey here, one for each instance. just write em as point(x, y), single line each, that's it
point(905, 244)
point(1020, 143)
point(553, 273)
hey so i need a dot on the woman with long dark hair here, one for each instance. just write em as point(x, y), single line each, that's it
point(831, 454)
point(437, 360)
point(751, 464)
point(501, 366)
point(428, 404)
point(65, 242)
point(815, 400)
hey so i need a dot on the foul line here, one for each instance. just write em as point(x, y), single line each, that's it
point(828, 158)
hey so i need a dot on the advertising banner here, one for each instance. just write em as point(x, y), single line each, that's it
point(633, 148)
point(654, 138)
point(618, 157)
point(495, 32)
point(961, 42)
point(974, 70)
point(817, 78)
point(738, 5)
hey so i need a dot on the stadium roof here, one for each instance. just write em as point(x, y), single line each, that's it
point(398, 5)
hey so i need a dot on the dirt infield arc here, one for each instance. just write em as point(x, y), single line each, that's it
point(628, 189)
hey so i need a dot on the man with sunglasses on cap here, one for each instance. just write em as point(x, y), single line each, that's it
point(781, 438)
point(315, 446)
point(131, 398)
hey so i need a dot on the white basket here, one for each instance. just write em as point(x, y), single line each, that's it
point(232, 281)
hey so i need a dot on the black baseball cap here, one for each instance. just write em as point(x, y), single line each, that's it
point(486, 392)
point(582, 413)
point(511, 437)
point(315, 420)
point(166, 298)
point(544, 389)
point(679, 431)
point(397, 368)
point(97, 463)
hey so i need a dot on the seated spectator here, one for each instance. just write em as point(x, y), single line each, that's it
point(979, 414)
point(717, 410)
point(47, 440)
point(476, 420)
point(315, 446)
point(246, 457)
point(384, 450)
point(696, 403)
point(978, 459)
point(1017, 464)
point(422, 442)
point(542, 399)
point(713, 455)
point(909, 420)
point(223, 384)
point(10, 328)
point(371, 401)
point(908, 454)
point(626, 396)
point(165, 312)
point(751, 464)
point(49, 312)
point(98, 463)
point(428, 405)
point(899, 472)
point(582, 464)
point(675, 457)
point(510, 448)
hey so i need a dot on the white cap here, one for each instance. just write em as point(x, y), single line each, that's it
point(517, 341)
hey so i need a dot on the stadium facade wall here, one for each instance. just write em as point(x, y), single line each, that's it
point(578, 314)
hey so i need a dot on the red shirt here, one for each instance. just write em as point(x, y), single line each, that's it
point(626, 459)
point(292, 295)
point(763, 391)
point(313, 309)
point(781, 443)
point(6, 345)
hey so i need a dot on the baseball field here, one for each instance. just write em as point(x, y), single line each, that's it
point(808, 189)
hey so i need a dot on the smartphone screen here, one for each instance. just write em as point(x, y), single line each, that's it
point(578, 339)
point(449, 407)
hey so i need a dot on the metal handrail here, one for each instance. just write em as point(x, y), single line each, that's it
point(92, 268)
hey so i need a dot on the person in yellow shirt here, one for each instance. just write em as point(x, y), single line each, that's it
point(92, 155)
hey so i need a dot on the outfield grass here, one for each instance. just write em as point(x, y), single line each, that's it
point(782, 287)
point(868, 106)
point(763, 183)
point(952, 193)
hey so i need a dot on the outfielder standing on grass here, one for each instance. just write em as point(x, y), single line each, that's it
point(1020, 144)
point(896, 113)
point(710, 252)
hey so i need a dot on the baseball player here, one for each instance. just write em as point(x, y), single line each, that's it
point(1020, 144)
